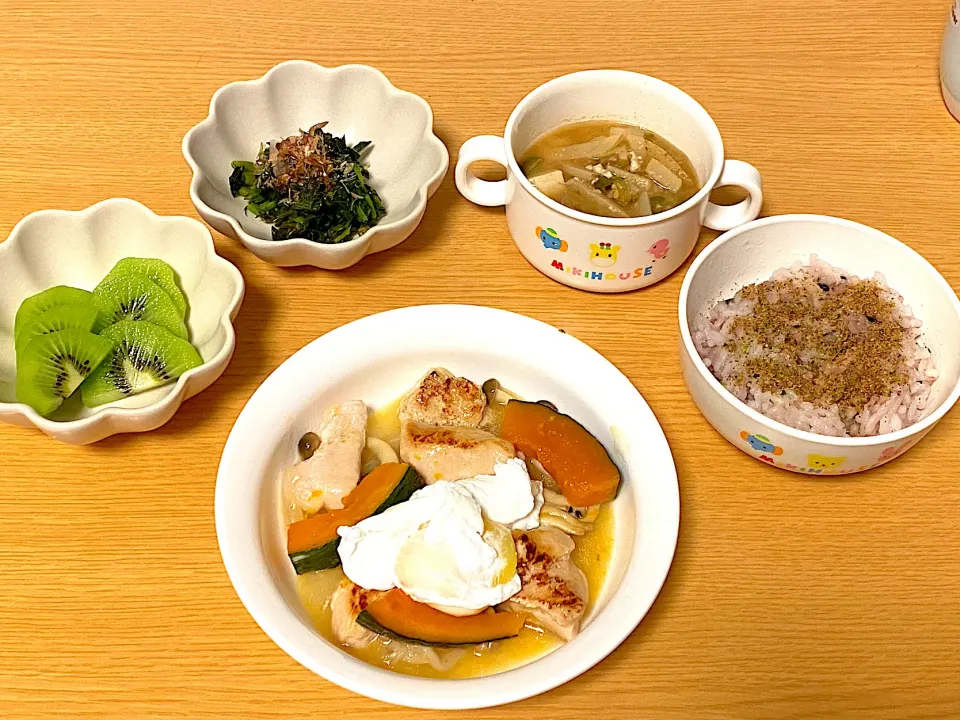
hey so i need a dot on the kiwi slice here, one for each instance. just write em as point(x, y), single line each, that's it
point(133, 296)
point(53, 365)
point(59, 317)
point(54, 297)
point(144, 356)
point(158, 271)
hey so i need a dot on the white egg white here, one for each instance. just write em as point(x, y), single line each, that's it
point(440, 547)
point(509, 496)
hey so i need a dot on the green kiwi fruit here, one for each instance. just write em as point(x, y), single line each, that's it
point(158, 271)
point(132, 296)
point(144, 356)
point(82, 316)
point(53, 365)
point(53, 297)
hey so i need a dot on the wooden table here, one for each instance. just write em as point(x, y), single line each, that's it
point(788, 598)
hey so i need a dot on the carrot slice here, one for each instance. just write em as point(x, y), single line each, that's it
point(397, 613)
point(574, 458)
point(362, 502)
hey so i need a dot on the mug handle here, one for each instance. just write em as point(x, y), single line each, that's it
point(481, 192)
point(727, 217)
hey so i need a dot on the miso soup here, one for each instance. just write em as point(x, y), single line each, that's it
point(608, 168)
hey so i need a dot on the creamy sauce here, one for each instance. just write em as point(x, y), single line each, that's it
point(592, 555)
point(384, 423)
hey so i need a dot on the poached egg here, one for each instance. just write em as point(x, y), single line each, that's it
point(450, 545)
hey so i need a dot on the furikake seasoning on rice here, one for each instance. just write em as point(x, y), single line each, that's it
point(820, 350)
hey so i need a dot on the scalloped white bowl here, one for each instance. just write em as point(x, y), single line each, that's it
point(79, 248)
point(407, 161)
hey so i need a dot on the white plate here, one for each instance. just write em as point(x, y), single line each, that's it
point(377, 359)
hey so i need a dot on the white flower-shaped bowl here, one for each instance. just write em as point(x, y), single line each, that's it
point(407, 161)
point(79, 248)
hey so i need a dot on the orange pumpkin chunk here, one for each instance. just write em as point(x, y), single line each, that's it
point(361, 503)
point(397, 612)
point(574, 458)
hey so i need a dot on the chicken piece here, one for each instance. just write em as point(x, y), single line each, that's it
point(441, 398)
point(346, 603)
point(333, 471)
point(552, 588)
point(451, 453)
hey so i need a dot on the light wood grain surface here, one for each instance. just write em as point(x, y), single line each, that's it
point(788, 598)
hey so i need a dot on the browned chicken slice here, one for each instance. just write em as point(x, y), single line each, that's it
point(451, 453)
point(334, 469)
point(346, 603)
point(441, 398)
point(552, 588)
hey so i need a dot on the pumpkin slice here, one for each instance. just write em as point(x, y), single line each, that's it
point(394, 614)
point(312, 543)
point(575, 459)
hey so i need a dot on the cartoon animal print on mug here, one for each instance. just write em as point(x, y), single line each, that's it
point(551, 240)
point(660, 249)
point(761, 444)
point(604, 254)
point(819, 463)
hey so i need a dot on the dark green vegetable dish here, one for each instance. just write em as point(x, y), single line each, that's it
point(310, 185)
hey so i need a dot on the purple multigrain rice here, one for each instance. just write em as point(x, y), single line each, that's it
point(903, 406)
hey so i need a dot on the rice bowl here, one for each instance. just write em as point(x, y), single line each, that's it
point(805, 403)
point(751, 254)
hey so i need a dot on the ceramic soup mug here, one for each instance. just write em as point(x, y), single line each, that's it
point(599, 253)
